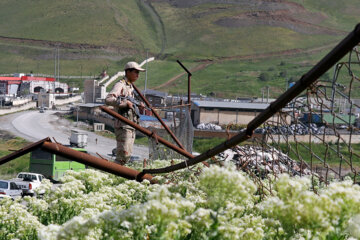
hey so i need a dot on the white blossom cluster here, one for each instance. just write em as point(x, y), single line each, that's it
point(219, 203)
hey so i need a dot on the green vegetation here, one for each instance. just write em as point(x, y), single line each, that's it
point(220, 202)
point(200, 145)
point(66, 21)
point(329, 153)
point(103, 35)
point(142, 141)
point(233, 78)
point(7, 145)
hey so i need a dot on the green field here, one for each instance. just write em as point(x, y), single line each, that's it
point(9, 143)
point(93, 36)
point(233, 78)
point(332, 155)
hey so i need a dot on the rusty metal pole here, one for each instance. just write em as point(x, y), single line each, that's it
point(80, 157)
point(158, 117)
point(189, 84)
point(93, 161)
point(146, 132)
point(22, 151)
point(149, 133)
point(305, 81)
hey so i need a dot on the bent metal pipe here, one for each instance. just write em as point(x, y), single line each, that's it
point(80, 157)
point(345, 46)
point(149, 133)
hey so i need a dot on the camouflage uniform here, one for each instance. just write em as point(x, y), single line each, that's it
point(125, 134)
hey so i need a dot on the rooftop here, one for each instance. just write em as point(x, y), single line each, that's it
point(91, 105)
point(154, 93)
point(230, 104)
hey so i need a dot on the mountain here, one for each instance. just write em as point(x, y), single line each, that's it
point(227, 43)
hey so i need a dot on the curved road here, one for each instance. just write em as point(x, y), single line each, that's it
point(34, 126)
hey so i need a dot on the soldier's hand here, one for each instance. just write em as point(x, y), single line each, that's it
point(142, 107)
point(130, 104)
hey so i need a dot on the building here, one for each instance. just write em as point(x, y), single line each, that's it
point(155, 98)
point(94, 91)
point(23, 85)
point(9, 85)
point(227, 112)
point(46, 99)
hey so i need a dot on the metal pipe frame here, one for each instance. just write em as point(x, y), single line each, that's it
point(22, 151)
point(95, 162)
point(305, 81)
point(345, 46)
point(158, 117)
point(146, 132)
point(80, 157)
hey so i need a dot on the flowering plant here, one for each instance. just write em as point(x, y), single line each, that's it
point(217, 203)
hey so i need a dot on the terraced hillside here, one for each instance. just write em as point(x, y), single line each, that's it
point(231, 40)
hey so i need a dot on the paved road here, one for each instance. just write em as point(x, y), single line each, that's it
point(34, 126)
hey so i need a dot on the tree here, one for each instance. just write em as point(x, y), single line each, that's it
point(264, 77)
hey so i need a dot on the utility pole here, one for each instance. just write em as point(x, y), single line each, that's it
point(55, 58)
point(94, 91)
point(58, 62)
point(147, 55)
point(268, 89)
point(77, 115)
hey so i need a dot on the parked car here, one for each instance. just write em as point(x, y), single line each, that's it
point(28, 182)
point(342, 126)
point(9, 189)
point(135, 158)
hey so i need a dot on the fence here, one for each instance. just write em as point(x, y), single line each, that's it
point(324, 110)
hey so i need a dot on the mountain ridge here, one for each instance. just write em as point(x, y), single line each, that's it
point(97, 35)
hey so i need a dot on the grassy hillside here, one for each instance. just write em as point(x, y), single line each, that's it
point(232, 78)
point(229, 43)
point(9, 143)
point(195, 32)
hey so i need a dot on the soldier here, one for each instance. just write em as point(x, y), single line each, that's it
point(125, 135)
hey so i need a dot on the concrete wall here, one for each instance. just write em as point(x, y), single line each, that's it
point(208, 116)
point(21, 101)
point(226, 117)
point(68, 100)
point(29, 104)
point(94, 117)
point(13, 109)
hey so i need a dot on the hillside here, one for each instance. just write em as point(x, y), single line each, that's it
point(208, 35)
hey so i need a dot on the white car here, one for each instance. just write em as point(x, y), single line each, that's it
point(28, 182)
point(9, 189)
